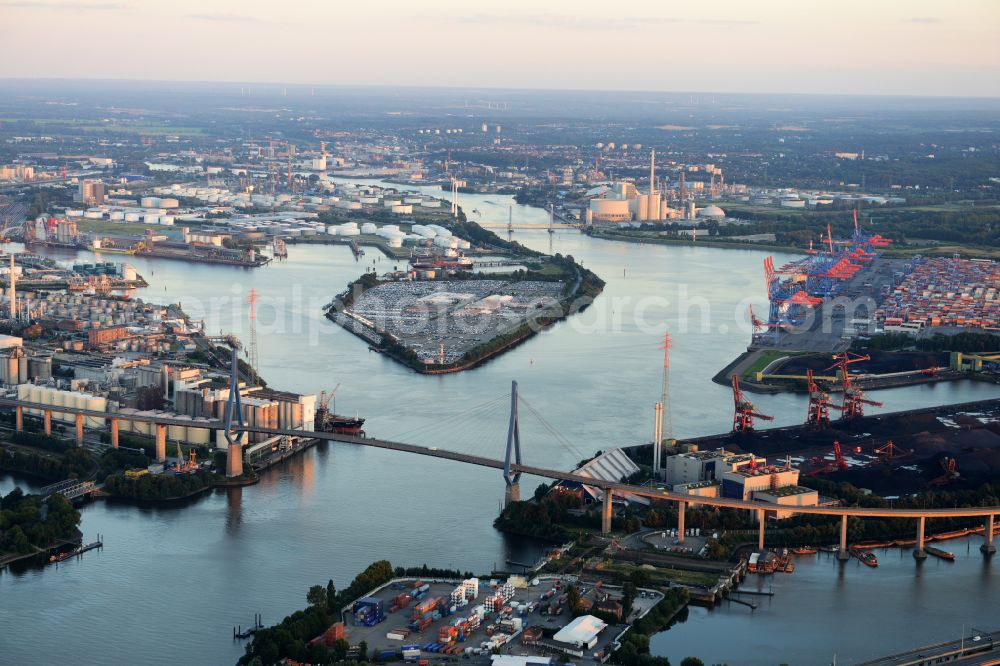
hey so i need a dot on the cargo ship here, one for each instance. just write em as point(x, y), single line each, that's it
point(425, 263)
point(866, 556)
point(327, 421)
point(349, 425)
point(943, 554)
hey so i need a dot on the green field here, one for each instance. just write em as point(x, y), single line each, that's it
point(765, 358)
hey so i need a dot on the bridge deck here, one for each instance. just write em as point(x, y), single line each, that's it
point(494, 463)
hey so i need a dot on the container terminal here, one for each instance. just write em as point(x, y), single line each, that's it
point(499, 620)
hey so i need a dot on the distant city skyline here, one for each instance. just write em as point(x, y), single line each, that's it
point(848, 47)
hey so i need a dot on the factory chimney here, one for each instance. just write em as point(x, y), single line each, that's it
point(652, 171)
point(12, 290)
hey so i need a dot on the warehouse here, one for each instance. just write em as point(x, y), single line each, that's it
point(581, 632)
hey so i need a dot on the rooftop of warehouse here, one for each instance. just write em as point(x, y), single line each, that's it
point(581, 630)
point(787, 491)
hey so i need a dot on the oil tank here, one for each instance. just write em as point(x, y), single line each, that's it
point(97, 404)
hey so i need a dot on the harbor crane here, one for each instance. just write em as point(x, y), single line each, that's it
point(949, 473)
point(744, 411)
point(838, 464)
point(818, 415)
point(325, 398)
point(854, 398)
point(889, 452)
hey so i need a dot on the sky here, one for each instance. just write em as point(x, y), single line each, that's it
point(907, 47)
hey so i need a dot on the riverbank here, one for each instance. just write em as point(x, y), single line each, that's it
point(367, 241)
point(705, 241)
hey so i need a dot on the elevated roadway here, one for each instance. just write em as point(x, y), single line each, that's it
point(610, 489)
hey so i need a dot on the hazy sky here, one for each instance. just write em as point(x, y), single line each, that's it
point(841, 46)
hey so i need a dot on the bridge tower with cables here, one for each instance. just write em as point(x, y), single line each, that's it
point(513, 490)
point(234, 412)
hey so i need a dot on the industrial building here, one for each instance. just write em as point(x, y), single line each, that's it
point(699, 466)
point(721, 473)
point(612, 465)
point(582, 633)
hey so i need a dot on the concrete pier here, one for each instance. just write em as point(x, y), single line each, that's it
point(234, 460)
point(760, 536)
point(988, 547)
point(843, 553)
point(161, 442)
point(114, 433)
point(48, 422)
point(512, 493)
point(919, 551)
point(79, 429)
point(19, 418)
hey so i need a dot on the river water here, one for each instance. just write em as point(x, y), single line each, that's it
point(171, 583)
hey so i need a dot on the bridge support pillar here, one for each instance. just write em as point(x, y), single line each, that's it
point(79, 429)
point(19, 418)
point(512, 493)
point(681, 506)
point(760, 535)
point(988, 546)
point(161, 442)
point(606, 511)
point(234, 459)
point(842, 552)
point(918, 551)
point(114, 433)
point(48, 422)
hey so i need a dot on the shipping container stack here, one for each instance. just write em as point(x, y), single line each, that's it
point(946, 292)
point(368, 611)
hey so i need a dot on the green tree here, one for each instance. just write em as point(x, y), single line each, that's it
point(692, 661)
point(316, 596)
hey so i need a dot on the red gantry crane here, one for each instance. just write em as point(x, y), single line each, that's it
point(818, 415)
point(838, 464)
point(854, 398)
point(745, 411)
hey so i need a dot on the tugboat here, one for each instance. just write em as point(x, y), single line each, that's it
point(328, 421)
point(805, 550)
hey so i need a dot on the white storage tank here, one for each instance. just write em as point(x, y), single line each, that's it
point(131, 217)
point(97, 404)
point(395, 241)
point(199, 436)
point(368, 228)
point(149, 202)
point(402, 209)
point(117, 216)
point(151, 219)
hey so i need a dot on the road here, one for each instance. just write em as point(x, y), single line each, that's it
point(494, 463)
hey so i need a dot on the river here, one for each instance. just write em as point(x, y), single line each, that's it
point(171, 583)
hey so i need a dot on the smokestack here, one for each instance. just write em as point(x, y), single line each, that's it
point(652, 171)
point(12, 290)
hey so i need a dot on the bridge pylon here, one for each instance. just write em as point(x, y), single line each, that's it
point(234, 410)
point(512, 492)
